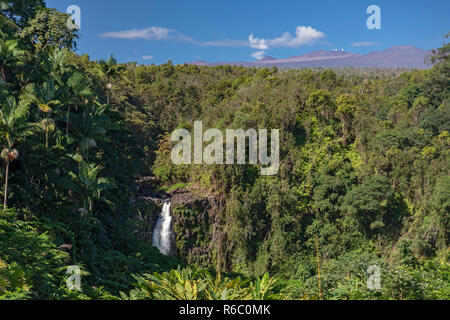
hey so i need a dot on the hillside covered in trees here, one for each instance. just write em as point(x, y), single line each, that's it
point(364, 176)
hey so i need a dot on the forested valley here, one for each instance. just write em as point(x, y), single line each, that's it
point(364, 176)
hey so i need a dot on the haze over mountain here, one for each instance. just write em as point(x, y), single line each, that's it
point(394, 57)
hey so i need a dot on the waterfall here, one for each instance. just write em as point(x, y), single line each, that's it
point(162, 234)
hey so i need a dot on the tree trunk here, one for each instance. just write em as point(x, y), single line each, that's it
point(3, 74)
point(318, 269)
point(67, 122)
point(6, 185)
point(46, 138)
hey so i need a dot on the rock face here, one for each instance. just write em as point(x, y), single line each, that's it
point(197, 224)
point(148, 191)
point(149, 204)
point(148, 212)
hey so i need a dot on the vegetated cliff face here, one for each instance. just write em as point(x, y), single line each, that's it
point(198, 225)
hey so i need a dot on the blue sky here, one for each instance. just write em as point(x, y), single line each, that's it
point(148, 31)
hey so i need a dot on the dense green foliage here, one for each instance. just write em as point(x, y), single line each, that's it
point(364, 176)
point(189, 284)
point(71, 170)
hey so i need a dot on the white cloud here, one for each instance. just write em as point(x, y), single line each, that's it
point(147, 57)
point(151, 33)
point(257, 43)
point(159, 33)
point(364, 44)
point(258, 55)
point(303, 36)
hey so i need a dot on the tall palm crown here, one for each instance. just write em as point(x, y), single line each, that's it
point(13, 126)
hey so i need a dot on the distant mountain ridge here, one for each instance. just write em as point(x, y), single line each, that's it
point(394, 57)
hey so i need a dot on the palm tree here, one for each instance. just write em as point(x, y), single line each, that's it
point(91, 185)
point(60, 63)
point(13, 126)
point(110, 69)
point(45, 98)
point(79, 92)
point(10, 55)
point(48, 125)
point(4, 5)
point(93, 127)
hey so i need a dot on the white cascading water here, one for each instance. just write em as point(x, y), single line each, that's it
point(162, 234)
